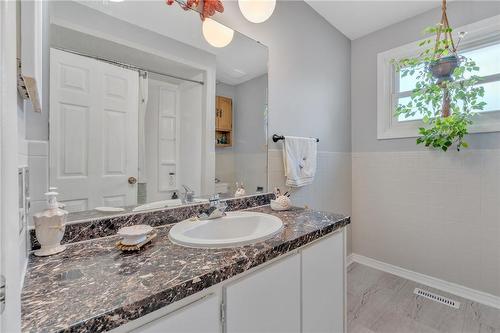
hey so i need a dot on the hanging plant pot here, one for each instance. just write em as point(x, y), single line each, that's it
point(442, 68)
point(447, 94)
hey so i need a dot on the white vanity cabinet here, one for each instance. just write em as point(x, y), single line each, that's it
point(303, 291)
point(266, 301)
point(323, 285)
point(199, 316)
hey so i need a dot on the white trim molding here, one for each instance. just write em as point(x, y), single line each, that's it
point(10, 256)
point(349, 260)
point(449, 287)
point(480, 33)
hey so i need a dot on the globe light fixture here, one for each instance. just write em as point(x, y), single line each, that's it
point(257, 11)
point(216, 34)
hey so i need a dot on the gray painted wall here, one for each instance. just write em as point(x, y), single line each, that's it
point(225, 90)
point(364, 74)
point(246, 161)
point(309, 95)
point(249, 117)
point(309, 72)
point(426, 211)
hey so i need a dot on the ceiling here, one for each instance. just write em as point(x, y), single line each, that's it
point(356, 19)
point(243, 59)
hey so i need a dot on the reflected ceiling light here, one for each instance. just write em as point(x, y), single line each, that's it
point(217, 34)
point(257, 11)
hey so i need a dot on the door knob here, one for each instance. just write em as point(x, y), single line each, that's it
point(132, 180)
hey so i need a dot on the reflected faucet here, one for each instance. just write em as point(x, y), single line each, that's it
point(188, 194)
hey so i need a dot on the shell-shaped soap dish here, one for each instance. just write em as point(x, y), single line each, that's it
point(134, 234)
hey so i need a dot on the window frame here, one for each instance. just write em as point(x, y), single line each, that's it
point(479, 34)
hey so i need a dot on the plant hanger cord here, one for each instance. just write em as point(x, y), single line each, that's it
point(444, 26)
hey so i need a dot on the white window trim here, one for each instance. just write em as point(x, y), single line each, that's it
point(388, 127)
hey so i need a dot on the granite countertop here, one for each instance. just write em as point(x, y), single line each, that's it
point(93, 287)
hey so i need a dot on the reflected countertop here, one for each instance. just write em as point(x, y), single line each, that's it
point(75, 217)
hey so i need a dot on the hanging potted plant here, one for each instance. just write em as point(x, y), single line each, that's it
point(446, 93)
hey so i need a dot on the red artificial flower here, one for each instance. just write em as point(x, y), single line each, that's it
point(210, 7)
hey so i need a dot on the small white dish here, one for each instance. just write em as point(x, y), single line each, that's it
point(109, 209)
point(134, 234)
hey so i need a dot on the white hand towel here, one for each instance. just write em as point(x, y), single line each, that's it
point(299, 157)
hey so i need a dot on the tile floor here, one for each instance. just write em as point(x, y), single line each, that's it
point(382, 302)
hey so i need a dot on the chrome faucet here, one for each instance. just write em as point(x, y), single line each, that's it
point(188, 194)
point(214, 200)
point(216, 210)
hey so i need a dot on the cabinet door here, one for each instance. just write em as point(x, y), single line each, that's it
point(225, 109)
point(323, 293)
point(268, 300)
point(200, 316)
point(217, 111)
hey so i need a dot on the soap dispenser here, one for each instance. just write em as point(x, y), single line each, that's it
point(49, 227)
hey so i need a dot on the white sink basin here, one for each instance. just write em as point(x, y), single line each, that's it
point(234, 229)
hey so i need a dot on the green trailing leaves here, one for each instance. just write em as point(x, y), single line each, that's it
point(441, 131)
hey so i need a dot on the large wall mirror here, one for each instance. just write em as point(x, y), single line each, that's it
point(145, 113)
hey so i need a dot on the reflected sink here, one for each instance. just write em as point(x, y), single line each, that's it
point(158, 205)
point(234, 229)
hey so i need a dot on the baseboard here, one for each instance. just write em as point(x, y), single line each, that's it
point(449, 287)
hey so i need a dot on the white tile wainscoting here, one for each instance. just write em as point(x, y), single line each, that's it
point(434, 213)
point(330, 190)
point(225, 166)
point(236, 167)
point(38, 163)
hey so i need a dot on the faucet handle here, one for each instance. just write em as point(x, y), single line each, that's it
point(222, 206)
point(187, 189)
point(214, 200)
point(188, 193)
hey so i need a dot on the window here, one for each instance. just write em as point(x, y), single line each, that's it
point(482, 45)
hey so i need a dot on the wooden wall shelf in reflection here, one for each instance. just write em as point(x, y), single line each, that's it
point(224, 121)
